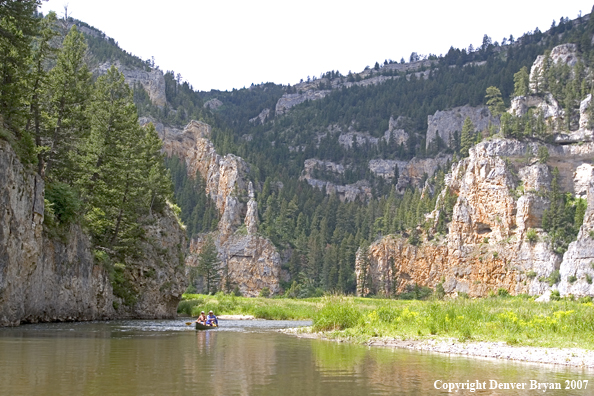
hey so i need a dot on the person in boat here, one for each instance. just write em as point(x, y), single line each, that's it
point(202, 318)
point(211, 319)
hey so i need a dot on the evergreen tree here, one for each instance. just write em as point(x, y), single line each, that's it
point(18, 26)
point(495, 101)
point(43, 53)
point(521, 82)
point(68, 91)
point(467, 137)
point(209, 265)
point(121, 176)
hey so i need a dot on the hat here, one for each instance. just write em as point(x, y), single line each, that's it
point(210, 312)
point(202, 312)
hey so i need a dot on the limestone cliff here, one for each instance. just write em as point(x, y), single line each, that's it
point(411, 173)
point(446, 123)
point(316, 89)
point(152, 81)
point(486, 246)
point(250, 261)
point(48, 279)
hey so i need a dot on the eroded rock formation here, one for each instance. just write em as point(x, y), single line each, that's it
point(447, 122)
point(250, 261)
point(49, 279)
point(152, 81)
point(486, 246)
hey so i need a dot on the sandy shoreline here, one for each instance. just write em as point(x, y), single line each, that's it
point(575, 357)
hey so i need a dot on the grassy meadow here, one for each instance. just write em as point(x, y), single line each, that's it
point(514, 320)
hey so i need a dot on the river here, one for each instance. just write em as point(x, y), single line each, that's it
point(242, 358)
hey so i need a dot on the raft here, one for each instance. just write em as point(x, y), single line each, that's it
point(200, 326)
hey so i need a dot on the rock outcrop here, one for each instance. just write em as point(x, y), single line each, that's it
point(213, 104)
point(152, 81)
point(224, 175)
point(289, 100)
point(261, 118)
point(547, 106)
point(564, 53)
point(49, 279)
point(250, 261)
point(446, 123)
point(486, 247)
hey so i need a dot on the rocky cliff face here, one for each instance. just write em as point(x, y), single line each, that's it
point(46, 279)
point(250, 260)
point(289, 100)
point(152, 81)
point(447, 122)
point(486, 246)
point(224, 175)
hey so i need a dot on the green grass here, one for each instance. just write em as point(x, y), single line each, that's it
point(264, 308)
point(516, 320)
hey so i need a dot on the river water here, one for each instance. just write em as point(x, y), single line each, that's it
point(241, 358)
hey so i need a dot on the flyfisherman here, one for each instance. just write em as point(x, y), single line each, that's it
point(211, 319)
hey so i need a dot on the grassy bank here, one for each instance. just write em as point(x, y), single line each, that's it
point(264, 308)
point(515, 320)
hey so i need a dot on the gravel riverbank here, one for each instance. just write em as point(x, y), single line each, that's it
point(497, 350)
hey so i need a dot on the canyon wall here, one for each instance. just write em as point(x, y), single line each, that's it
point(250, 261)
point(501, 195)
point(44, 278)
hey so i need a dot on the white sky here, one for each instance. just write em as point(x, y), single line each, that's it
point(231, 44)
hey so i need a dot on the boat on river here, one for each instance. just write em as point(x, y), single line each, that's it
point(200, 326)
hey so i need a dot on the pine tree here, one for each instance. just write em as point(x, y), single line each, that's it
point(18, 26)
point(494, 101)
point(467, 137)
point(68, 90)
point(209, 265)
point(522, 82)
point(116, 163)
point(43, 53)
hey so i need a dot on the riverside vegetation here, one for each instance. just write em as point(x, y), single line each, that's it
point(80, 134)
point(520, 320)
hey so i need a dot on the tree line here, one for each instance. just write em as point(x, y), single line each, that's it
point(81, 135)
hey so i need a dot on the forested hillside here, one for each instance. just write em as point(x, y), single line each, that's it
point(318, 234)
point(80, 134)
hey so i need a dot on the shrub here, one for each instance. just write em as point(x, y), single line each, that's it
point(191, 290)
point(415, 292)
point(588, 279)
point(439, 291)
point(554, 278)
point(187, 305)
point(501, 292)
point(237, 292)
point(531, 274)
point(555, 295)
point(336, 314)
point(543, 154)
point(64, 202)
point(571, 278)
point(531, 235)
point(265, 292)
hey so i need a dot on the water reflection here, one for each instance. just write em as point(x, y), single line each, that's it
point(170, 358)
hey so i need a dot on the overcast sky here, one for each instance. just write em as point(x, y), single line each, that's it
point(232, 44)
